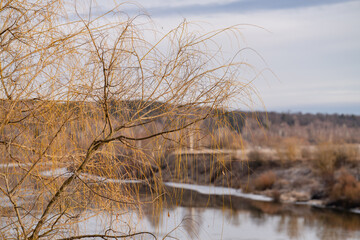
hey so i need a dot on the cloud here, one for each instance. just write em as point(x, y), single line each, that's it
point(235, 6)
point(312, 46)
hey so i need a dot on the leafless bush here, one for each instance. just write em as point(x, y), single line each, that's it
point(324, 160)
point(329, 157)
point(346, 191)
point(83, 95)
point(265, 180)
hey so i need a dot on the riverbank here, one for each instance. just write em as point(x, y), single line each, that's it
point(323, 181)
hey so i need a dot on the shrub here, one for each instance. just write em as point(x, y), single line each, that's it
point(256, 156)
point(265, 181)
point(345, 153)
point(329, 157)
point(224, 138)
point(324, 159)
point(346, 191)
point(256, 159)
point(287, 148)
point(306, 153)
point(291, 148)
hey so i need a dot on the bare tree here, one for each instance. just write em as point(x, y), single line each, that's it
point(86, 99)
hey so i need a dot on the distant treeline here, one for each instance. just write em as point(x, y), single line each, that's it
point(311, 128)
point(257, 128)
point(237, 119)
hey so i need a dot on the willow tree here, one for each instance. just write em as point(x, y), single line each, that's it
point(90, 101)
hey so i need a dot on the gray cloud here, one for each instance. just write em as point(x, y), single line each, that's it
point(239, 6)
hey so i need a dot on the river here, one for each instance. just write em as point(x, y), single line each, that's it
point(202, 212)
point(190, 211)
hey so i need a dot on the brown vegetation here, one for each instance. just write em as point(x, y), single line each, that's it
point(330, 157)
point(324, 159)
point(256, 156)
point(346, 191)
point(265, 180)
point(224, 138)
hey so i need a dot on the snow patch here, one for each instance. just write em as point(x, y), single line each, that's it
point(57, 172)
point(214, 190)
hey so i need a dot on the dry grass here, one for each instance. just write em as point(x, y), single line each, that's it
point(306, 153)
point(256, 156)
point(292, 148)
point(329, 157)
point(224, 138)
point(265, 181)
point(324, 159)
point(346, 153)
point(287, 149)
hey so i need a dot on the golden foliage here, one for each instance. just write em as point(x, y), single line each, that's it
point(88, 102)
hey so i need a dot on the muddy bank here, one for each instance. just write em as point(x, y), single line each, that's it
point(301, 180)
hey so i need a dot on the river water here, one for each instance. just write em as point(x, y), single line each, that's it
point(191, 211)
point(202, 212)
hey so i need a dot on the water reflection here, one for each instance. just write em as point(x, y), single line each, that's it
point(186, 214)
point(225, 217)
point(192, 222)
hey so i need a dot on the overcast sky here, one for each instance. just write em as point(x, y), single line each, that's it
point(313, 46)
